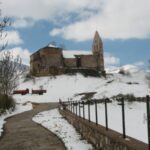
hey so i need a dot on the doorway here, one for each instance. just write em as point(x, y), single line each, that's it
point(78, 61)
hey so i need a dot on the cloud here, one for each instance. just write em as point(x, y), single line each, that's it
point(111, 60)
point(117, 19)
point(114, 19)
point(23, 23)
point(47, 9)
point(12, 38)
point(24, 54)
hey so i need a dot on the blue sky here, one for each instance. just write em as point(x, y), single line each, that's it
point(124, 27)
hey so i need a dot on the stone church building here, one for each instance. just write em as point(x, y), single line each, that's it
point(53, 60)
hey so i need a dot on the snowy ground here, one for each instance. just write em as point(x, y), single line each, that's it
point(53, 121)
point(65, 86)
point(135, 118)
point(19, 109)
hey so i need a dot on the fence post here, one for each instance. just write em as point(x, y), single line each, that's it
point(148, 119)
point(60, 104)
point(83, 111)
point(74, 104)
point(73, 107)
point(76, 108)
point(96, 117)
point(89, 111)
point(123, 118)
point(79, 110)
point(106, 115)
point(70, 105)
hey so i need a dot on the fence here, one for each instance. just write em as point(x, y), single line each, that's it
point(78, 108)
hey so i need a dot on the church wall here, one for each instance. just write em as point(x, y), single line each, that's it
point(54, 60)
point(70, 62)
point(35, 67)
point(51, 57)
point(88, 61)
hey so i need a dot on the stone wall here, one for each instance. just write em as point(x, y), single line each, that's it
point(88, 61)
point(100, 137)
point(46, 61)
point(70, 62)
point(51, 57)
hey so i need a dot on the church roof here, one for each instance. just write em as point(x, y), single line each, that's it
point(73, 53)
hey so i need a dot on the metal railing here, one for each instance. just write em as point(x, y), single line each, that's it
point(75, 108)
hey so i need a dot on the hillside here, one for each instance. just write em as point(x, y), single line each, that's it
point(131, 81)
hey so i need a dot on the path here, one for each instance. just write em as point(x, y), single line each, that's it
point(21, 133)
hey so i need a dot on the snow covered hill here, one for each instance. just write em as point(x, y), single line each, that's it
point(131, 81)
point(125, 80)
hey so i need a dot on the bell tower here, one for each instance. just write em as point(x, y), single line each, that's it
point(97, 49)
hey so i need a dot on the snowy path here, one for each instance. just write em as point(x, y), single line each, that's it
point(21, 133)
point(53, 121)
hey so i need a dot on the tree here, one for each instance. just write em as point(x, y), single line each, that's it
point(10, 70)
point(4, 23)
point(10, 67)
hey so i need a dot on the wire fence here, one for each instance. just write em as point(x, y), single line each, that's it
point(78, 109)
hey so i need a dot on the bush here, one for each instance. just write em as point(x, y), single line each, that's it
point(128, 98)
point(6, 102)
point(123, 72)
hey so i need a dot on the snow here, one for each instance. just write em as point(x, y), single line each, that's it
point(51, 45)
point(53, 121)
point(135, 118)
point(72, 53)
point(19, 109)
point(126, 68)
point(66, 86)
point(130, 68)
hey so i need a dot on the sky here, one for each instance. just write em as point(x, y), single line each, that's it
point(123, 25)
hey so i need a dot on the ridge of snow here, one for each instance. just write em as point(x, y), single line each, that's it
point(130, 68)
point(127, 68)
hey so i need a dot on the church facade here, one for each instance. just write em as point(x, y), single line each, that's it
point(52, 60)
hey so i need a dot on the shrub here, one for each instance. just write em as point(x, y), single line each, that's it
point(123, 72)
point(128, 97)
point(6, 102)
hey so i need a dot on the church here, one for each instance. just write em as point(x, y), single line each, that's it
point(53, 60)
